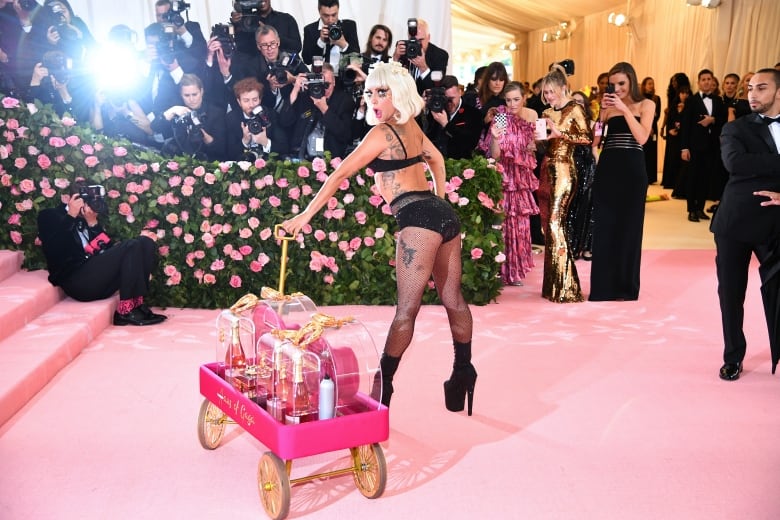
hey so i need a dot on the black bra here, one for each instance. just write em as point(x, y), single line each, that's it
point(386, 165)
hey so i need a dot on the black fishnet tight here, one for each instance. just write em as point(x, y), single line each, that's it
point(420, 253)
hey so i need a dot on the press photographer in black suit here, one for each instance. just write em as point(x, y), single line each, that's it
point(321, 114)
point(451, 125)
point(89, 265)
point(194, 128)
point(318, 40)
point(748, 219)
point(421, 65)
point(253, 131)
point(189, 36)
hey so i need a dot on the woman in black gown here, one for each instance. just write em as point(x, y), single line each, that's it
point(619, 189)
point(671, 167)
point(651, 146)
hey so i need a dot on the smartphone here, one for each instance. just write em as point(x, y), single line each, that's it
point(500, 120)
point(610, 89)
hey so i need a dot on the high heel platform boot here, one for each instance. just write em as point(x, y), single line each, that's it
point(383, 382)
point(461, 382)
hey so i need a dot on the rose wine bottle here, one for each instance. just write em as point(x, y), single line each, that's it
point(299, 407)
point(235, 359)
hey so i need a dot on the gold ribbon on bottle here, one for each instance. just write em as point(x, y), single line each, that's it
point(245, 303)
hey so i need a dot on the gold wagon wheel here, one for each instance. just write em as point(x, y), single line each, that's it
point(211, 425)
point(370, 470)
point(273, 484)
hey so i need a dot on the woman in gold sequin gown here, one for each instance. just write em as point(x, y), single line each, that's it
point(567, 126)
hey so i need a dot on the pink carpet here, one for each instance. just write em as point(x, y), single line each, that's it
point(593, 410)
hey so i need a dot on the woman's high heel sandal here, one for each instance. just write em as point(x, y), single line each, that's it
point(458, 387)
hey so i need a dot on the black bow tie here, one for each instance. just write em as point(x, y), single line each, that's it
point(703, 95)
point(769, 120)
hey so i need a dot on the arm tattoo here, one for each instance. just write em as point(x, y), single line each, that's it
point(407, 253)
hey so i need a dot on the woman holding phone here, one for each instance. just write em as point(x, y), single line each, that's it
point(512, 145)
point(568, 127)
point(619, 188)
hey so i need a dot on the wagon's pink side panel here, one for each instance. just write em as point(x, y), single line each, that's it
point(300, 440)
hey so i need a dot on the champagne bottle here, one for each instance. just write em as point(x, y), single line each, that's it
point(235, 359)
point(276, 403)
point(299, 406)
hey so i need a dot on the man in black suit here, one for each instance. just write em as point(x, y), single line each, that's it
point(317, 38)
point(701, 122)
point(247, 16)
point(432, 59)
point(321, 115)
point(253, 131)
point(746, 222)
point(189, 36)
point(456, 127)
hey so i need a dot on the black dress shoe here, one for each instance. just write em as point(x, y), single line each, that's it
point(136, 317)
point(692, 216)
point(713, 208)
point(149, 314)
point(702, 215)
point(730, 371)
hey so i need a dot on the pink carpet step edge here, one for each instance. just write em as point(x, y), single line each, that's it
point(33, 356)
point(23, 297)
point(10, 263)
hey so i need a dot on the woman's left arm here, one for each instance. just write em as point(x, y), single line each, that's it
point(639, 129)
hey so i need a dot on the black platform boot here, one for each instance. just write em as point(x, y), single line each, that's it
point(383, 381)
point(461, 382)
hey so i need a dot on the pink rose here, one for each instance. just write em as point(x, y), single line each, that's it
point(209, 279)
point(118, 171)
point(361, 216)
point(68, 121)
point(172, 218)
point(259, 163)
point(318, 164)
point(343, 245)
point(168, 270)
point(217, 265)
point(12, 124)
point(199, 171)
point(245, 250)
point(173, 166)
point(355, 243)
point(27, 186)
point(379, 233)
point(321, 176)
point(48, 192)
point(303, 172)
point(375, 200)
point(319, 235)
point(238, 209)
point(20, 162)
point(177, 231)
point(265, 234)
point(244, 233)
point(368, 241)
point(274, 201)
point(174, 181)
point(237, 256)
point(282, 182)
point(189, 238)
point(500, 258)
point(15, 219)
point(254, 203)
point(255, 266)
point(306, 189)
point(91, 161)
point(87, 149)
point(328, 279)
point(468, 173)
point(218, 209)
point(9, 102)
point(263, 259)
point(253, 222)
point(294, 193)
point(476, 253)
point(333, 236)
point(61, 183)
point(210, 178)
point(234, 189)
point(333, 203)
point(339, 213)
point(120, 151)
point(16, 237)
point(186, 190)
point(344, 185)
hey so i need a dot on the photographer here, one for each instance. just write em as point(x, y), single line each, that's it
point(419, 55)
point(15, 20)
point(249, 15)
point(321, 115)
point(189, 37)
point(195, 129)
point(56, 28)
point(50, 83)
point(329, 37)
point(253, 131)
point(88, 265)
point(451, 125)
point(277, 69)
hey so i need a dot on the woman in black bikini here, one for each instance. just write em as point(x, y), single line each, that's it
point(429, 238)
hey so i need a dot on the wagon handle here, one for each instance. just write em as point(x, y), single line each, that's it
point(283, 268)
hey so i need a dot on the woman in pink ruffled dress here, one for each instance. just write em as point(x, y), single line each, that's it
point(512, 145)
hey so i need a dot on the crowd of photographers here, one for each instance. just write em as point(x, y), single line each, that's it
point(253, 88)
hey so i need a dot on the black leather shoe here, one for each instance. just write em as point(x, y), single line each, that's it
point(730, 371)
point(135, 317)
point(713, 208)
point(692, 216)
point(149, 314)
point(702, 215)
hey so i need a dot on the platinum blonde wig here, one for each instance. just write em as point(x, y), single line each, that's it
point(406, 100)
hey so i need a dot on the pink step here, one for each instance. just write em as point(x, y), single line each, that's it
point(10, 263)
point(33, 355)
point(23, 297)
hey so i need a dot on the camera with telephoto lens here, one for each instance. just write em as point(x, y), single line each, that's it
point(61, 24)
point(316, 85)
point(166, 51)
point(173, 15)
point(94, 196)
point(224, 35)
point(258, 121)
point(413, 47)
point(28, 5)
point(250, 13)
point(335, 32)
point(58, 65)
point(349, 75)
point(436, 100)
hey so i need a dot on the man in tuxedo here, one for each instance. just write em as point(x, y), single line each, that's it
point(318, 41)
point(253, 131)
point(748, 219)
point(247, 16)
point(455, 129)
point(432, 59)
point(701, 122)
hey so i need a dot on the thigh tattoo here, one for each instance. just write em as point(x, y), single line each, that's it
point(407, 253)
